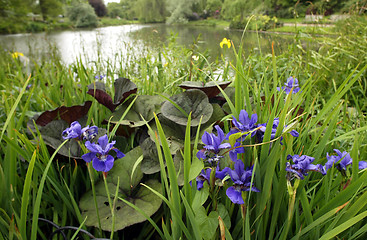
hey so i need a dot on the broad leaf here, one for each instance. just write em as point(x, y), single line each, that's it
point(143, 109)
point(123, 89)
point(210, 88)
point(150, 163)
point(208, 224)
point(194, 101)
point(129, 189)
point(68, 114)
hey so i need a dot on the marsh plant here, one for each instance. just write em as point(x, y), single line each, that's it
point(166, 151)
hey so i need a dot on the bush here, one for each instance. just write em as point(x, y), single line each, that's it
point(259, 22)
point(82, 15)
point(35, 27)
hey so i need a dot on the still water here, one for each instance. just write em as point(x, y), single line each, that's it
point(108, 42)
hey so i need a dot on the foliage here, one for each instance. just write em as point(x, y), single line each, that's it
point(50, 8)
point(99, 7)
point(179, 11)
point(258, 22)
point(125, 9)
point(151, 11)
point(43, 182)
point(82, 15)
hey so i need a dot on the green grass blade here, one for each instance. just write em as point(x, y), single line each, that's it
point(174, 210)
point(172, 177)
point(25, 197)
point(11, 113)
point(335, 231)
point(187, 161)
point(191, 217)
point(37, 204)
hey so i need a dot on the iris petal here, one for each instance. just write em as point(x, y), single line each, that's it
point(89, 156)
point(234, 195)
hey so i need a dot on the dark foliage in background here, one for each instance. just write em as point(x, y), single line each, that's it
point(99, 7)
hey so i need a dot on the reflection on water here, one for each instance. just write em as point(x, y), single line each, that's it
point(108, 42)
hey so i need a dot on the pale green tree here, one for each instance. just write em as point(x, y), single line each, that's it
point(150, 11)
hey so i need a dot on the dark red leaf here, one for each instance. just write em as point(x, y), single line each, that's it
point(68, 114)
point(210, 88)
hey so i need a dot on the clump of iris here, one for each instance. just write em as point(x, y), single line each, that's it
point(204, 176)
point(77, 132)
point(99, 154)
point(213, 146)
point(291, 83)
point(100, 77)
point(341, 161)
point(302, 165)
point(242, 181)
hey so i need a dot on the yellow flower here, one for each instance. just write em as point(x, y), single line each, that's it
point(225, 41)
point(17, 54)
point(195, 57)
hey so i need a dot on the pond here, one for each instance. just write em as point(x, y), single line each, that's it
point(105, 42)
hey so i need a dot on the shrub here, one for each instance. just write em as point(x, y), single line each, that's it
point(35, 27)
point(259, 22)
point(82, 15)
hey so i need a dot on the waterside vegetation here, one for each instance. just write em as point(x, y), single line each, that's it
point(47, 15)
point(267, 146)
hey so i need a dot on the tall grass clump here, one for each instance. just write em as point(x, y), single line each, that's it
point(267, 146)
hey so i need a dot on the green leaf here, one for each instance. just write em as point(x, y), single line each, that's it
point(178, 162)
point(208, 224)
point(129, 189)
point(223, 213)
point(196, 167)
point(145, 106)
point(194, 101)
point(150, 163)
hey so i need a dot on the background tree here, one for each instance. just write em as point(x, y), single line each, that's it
point(82, 15)
point(125, 9)
point(150, 11)
point(99, 7)
point(179, 10)
point(50, 8)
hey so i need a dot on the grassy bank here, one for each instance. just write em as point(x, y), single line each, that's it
point(311, 29)
point(169, 140)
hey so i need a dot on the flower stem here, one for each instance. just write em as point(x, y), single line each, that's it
point(109, 203)
point(91, 177)
point(292, 191)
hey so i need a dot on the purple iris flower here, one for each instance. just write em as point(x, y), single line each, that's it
point(341, 161)
point(205, 176)
point(100, 77)
point(242, 182)
point(302, 164)
point(244, 124)
point(344, 157)
point(291, 83)
point(362, 165)
point(236, 149)
point(76, 131)
point(213, 144)
point(274, 127)
point(99, 156)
